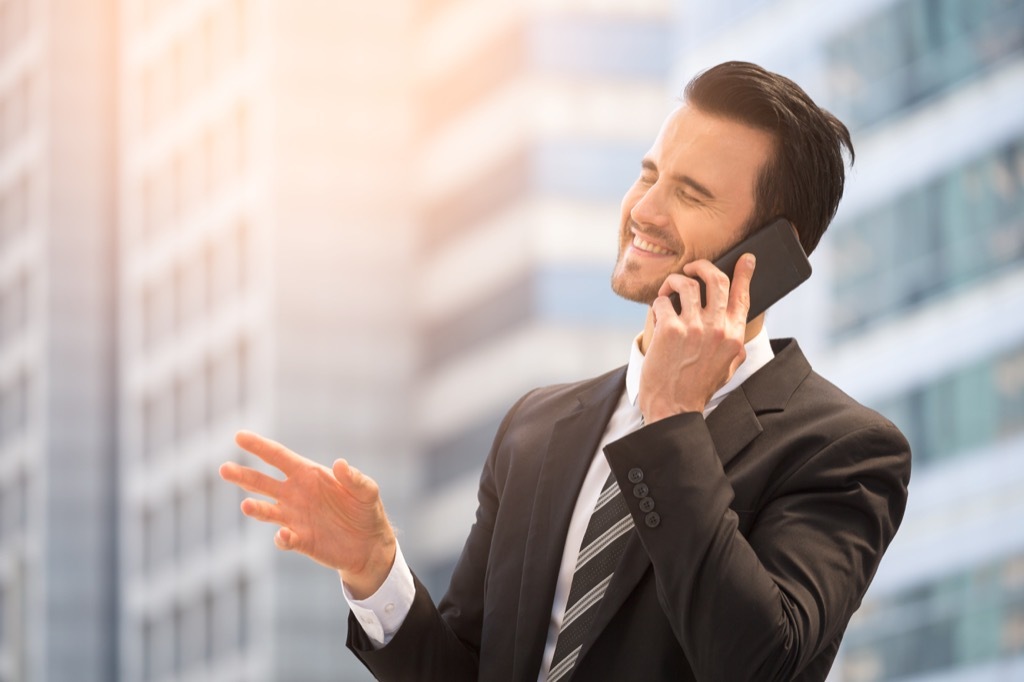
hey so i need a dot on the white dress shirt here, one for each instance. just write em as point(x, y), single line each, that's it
point(382, 614)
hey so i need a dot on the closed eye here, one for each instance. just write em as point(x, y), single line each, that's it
point(688, 198)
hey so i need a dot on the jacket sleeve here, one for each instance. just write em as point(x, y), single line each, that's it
point(762, 606)
point(443, 642)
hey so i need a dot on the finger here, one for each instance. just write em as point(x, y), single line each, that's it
point(286, 539)
point(361, 486)
point(261, 510)
point(672, 283)
point(688, 290)
point(251, 480)
point(271, 452)
point(663, 309)
point(739, 292)
point(716, 283)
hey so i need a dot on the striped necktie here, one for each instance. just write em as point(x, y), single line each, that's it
point(603, 544)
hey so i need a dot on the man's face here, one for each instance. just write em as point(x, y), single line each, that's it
point(692, 200)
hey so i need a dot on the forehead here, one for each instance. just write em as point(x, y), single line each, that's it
point(712, 149)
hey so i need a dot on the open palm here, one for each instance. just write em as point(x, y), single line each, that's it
point(334, 516)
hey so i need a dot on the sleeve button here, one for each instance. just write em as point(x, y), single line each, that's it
point(636, 475)
point(653, 519)
point(647, 504)
point(640, 490)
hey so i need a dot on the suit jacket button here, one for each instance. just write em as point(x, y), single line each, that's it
point(647, 504)
point(636, 475)
point(640, 490)
point(652, 520)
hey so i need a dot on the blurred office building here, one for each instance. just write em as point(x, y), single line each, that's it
point(57, 478)
point(263, 265)
point(533, 118)
point(916, 305)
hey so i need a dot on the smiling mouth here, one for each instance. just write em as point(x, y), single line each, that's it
point(644, 245)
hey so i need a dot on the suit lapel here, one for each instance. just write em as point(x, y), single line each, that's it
point(733, 425)
point(574, 439)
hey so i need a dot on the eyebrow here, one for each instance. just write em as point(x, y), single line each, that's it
point(681, 179)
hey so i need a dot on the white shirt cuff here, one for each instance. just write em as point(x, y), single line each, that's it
point(384, 611)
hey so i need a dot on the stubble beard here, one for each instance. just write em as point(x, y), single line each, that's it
point(630, 287)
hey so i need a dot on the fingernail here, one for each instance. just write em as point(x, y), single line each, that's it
point(751, 260)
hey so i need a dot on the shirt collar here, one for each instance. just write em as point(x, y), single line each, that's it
point(759, 354)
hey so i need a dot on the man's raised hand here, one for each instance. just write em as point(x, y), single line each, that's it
point(695, 352)
point(334, 516)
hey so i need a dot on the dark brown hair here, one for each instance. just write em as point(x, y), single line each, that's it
point(803, 180)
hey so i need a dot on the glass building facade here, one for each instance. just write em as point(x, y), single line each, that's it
point(931, 240)
point(282, 168)
point(915, 50)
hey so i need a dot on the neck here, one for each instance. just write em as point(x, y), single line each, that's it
point(753, 329)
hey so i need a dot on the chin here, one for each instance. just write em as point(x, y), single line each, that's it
point(631, 290)
point(631, 281)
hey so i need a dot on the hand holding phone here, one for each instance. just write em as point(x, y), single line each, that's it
point(781, 267)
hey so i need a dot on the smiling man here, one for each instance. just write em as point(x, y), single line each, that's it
point(712, 511)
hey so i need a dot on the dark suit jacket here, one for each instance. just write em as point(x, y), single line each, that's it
point(774, 513)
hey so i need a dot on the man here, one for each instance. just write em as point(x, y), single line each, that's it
point(714, 511)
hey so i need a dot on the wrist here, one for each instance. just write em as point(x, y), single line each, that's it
point(656, 413)
point(365, 582)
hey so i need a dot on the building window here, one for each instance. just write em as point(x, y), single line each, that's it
point(916, 49)
point(19, 503)
point(14, 202)
point(178, 181)
point(241, 150)
point(957, 413)
point(148, 674)
point(206, 166)
point(157, 421)
point(226, 630)
point(178, 526)
point(158, 314)
point(15, 400)
point(14, 306)
point(221, 264)
point(3, 615)
point(959, 620)
point(5, 526)
point(189, 292)
point(224, 516)
point(194, 635)
point(242, 585)
point(243, 255)
point(177, 644)
point(954, 230)
point(147, 530)
point(242, 351)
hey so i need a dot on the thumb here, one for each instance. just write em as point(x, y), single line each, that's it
point(361, 486)
point(342, 471)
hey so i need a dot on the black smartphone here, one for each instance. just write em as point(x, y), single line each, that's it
point(781, 266)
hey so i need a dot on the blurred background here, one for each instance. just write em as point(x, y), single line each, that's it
point(365, 229)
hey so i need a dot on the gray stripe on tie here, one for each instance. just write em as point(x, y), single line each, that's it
point(621, 527)
point(564, 666)
point(606, 496)
point(585, 602)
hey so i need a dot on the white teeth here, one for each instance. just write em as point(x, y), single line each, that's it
point(647, 246)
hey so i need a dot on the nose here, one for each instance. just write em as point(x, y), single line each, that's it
point(649, 209)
